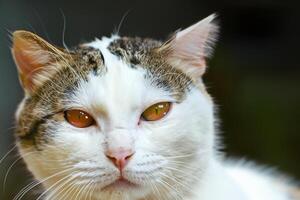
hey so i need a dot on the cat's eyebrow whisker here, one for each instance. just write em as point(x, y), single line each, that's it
point(64, 30)
point(121, 22)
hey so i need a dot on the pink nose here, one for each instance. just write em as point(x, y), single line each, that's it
point(119, 158)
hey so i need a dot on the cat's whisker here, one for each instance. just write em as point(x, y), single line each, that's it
point(121, 22)
point(93, 187)
point(183, 166)
point(182, 156)
point(64, 30)
point(13, 127)
point(24, 188)
point(34, 184)
point(69, 190)
point(182, 170)
point(12, 165)
point(6, 155)
point(164, 187)
point(54, 185)
point(172, 188)
point(88, 190)
point(92, 191)
point(156, 190)
point(79, 193)
point(78, 188)
point(74, 191)
point(61, 187)
point(180, 160)
point(179, 182)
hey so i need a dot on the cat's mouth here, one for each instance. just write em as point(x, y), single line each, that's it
point(121, 184)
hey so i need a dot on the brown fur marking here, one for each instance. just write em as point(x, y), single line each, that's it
point(47, 100)
point(140, 52)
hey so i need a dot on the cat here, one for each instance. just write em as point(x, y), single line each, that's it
point(128, 118)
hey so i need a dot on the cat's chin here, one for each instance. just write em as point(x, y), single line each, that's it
point(121, 184)
point(124, 189)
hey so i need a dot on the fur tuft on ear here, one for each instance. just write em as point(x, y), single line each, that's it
point(35, 59)
point(187, 49)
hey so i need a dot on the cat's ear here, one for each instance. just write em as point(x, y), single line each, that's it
point(35, 58)
point(188, 49)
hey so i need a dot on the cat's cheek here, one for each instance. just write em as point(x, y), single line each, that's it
point(33, 162)
point(70, 144)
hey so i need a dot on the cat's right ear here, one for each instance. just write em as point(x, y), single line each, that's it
point(35, 58)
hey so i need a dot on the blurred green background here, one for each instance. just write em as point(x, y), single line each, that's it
point(254, 75)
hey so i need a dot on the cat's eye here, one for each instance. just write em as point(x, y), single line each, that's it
point(156, 111)
point(79, 118)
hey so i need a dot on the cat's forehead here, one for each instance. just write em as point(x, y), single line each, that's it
point(122, 54)
point(135, 49)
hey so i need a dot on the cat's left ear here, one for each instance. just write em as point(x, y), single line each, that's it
point(188, 49)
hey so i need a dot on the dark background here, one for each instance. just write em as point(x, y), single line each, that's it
point(254, 75)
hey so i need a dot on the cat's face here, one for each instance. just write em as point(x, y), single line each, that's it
point(115, 118)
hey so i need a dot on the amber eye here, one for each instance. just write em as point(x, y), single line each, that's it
point(156, 111)
point(79, 118)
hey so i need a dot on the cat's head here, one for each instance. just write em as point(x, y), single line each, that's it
point(118, 116)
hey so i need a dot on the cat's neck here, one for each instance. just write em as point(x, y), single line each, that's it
point(217, 184)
